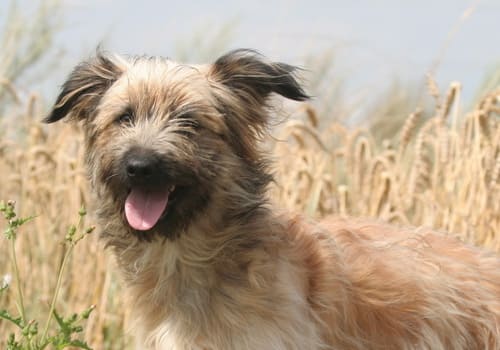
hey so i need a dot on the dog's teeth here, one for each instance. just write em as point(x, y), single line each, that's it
point(172, 188)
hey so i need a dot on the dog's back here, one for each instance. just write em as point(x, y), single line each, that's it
point(404, 288)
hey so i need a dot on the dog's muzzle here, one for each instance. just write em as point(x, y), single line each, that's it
point(149, 190)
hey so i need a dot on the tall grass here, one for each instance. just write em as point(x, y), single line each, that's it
point(441, 170)
point(437, 166)
point(25, 40)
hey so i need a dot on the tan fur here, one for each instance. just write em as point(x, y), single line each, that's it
point(229, 272)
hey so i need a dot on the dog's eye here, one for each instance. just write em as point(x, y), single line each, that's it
point(125, 119)
point(186, 124)
point(189, 123)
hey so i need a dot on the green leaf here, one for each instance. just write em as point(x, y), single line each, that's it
point(12, 344)
point(21, 221)
point(18, 321)
point(64, 326)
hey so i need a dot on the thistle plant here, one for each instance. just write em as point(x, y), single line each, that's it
point(28, 335)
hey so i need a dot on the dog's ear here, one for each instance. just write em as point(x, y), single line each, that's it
point(84, 88)
point(248, 80)
point(247, 73)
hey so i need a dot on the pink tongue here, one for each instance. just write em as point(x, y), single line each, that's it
point(143, 209)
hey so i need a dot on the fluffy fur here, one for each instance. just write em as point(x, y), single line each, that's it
point(221, 269)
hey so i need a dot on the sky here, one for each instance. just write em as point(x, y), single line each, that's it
point(373, 42)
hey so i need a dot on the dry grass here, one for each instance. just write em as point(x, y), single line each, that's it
point(43, 172)
point(25, 39)
point(442, 171)
point(439, 168)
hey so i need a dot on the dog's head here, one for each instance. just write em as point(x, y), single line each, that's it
point(164, 140)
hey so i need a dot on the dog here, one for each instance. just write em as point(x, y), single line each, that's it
point(180, 185)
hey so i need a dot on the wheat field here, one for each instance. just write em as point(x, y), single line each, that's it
point(440, 169)
point(438, 166)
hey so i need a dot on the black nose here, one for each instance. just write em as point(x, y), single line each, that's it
point(141, 165)
point(138, 167)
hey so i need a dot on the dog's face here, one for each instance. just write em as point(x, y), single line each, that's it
point(165, 140)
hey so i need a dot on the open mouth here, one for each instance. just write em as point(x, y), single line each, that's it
point(145, 207)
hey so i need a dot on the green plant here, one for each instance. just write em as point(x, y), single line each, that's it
point(28, 336)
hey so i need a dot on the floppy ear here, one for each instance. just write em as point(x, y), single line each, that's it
point(247, 73)
point(84, 88)
point(245, 80)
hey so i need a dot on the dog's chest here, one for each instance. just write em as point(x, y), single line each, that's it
point(192, 306)
point(173, 293)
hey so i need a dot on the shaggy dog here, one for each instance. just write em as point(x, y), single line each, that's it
point(180, 182)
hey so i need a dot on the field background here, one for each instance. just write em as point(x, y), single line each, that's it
point(416, 153)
